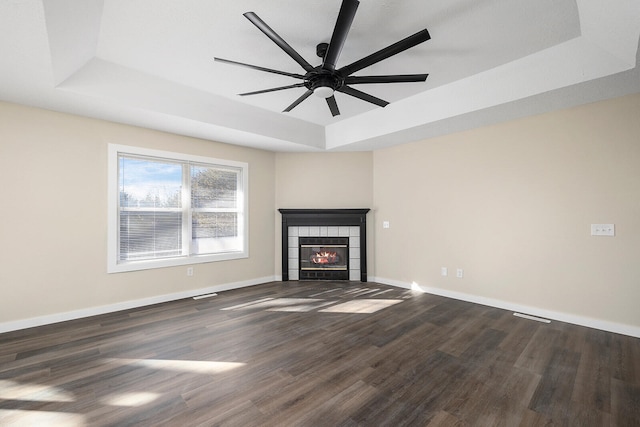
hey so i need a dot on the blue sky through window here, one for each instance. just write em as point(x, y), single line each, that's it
point(143, 179)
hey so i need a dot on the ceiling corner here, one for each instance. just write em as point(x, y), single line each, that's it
point(73, 29)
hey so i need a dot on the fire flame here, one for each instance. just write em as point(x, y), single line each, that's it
point(325, 257)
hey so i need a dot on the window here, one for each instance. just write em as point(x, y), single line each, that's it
point(170, 209)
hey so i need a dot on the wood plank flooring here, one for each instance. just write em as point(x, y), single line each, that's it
point(318, 354)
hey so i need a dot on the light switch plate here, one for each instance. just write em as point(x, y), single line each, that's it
point(603, 229)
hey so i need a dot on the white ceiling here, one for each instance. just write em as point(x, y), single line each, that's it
point(150, 63)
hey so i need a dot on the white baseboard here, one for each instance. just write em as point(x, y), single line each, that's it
point(126, 305)
point(604, 325)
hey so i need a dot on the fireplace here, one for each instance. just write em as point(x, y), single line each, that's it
point(324, 244)
point(323, 258)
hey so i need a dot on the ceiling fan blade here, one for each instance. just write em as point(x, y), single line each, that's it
point(257, 92)
point(255, 67)
point(364, 96)
point(298, 101)
point(333, 106)
point(262, 26)
point(399, 78)
point(402, 45)
point(340, 31)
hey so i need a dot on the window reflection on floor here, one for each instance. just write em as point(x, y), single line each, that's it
point(129, 399)
point(362, 306)
point(193, 366)
point(12, 390)
point(19, 417)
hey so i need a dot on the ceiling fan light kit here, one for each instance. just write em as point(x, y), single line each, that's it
point(323, 92)
point(325, 79)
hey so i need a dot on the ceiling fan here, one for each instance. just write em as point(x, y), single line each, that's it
point(325, 79)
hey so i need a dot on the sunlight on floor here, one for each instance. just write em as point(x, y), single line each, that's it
point(416, 287)
point(16, 417)
point(194, 366)
point(129, 399)
point(248, 304)
point(362, 306)
point(302, 305)
point(12, 390)
point(288, 304)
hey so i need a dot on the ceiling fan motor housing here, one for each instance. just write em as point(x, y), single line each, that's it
point(320, 78)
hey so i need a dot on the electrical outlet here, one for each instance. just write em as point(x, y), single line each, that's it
point(189, 271)
point(444, 271)
point(385, 224)
point(603, 229)
point(459, 273)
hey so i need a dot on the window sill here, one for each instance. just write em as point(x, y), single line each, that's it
point(124, 267)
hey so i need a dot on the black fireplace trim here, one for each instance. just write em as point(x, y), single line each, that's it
point(324, 217)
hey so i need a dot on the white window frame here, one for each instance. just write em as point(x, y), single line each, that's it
point(113, 218)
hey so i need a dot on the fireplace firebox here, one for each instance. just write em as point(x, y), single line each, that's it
point(324, 258)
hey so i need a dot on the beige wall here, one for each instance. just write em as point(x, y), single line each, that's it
point(53, 217)
point(512, 205)
point(324, 180)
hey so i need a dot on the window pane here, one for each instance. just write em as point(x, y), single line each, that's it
point(148, 235)
point(213, 187)
point(215, 232)
point(150, 196)
point(149, 183)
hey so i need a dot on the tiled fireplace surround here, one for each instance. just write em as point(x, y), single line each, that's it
point(324, 223)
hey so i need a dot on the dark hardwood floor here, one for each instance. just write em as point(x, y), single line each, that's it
point(318, 354)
